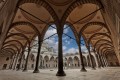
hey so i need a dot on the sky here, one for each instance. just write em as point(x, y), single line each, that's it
point(69, 45)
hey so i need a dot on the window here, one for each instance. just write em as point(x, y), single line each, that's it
point(4, 66)
point(7, 58)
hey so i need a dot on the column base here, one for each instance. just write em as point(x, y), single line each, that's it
point(13, 69)
point(25, 70)
point(93, 68)
point(60, 73)
point(10, 68)
point(18, 70)
point(99, 67)
point(36, 71)
point(83, 70)
point(102, 66)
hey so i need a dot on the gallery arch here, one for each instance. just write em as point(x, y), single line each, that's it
point(86, 20)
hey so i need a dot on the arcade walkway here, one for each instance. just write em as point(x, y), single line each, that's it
point(72, 74)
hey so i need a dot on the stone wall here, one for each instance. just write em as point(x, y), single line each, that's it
point(4, 62)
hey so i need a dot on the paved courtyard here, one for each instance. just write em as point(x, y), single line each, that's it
point(72, 74)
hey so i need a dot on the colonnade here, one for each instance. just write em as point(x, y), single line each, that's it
point(59, 20)
point(60, 62)
point(18, 63)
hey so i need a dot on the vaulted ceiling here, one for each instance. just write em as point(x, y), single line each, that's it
point(33, 17)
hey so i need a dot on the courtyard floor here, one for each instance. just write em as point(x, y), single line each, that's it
point(71, 74)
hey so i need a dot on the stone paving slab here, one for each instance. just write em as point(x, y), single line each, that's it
point(71, 74)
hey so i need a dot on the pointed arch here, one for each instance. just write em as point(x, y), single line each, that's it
point(9, 49)
point(109, 44)
point(52, 58)
point(18, 34)
point(13, 46)
point(101, 40)
point(104, 48)
point(108, 50)
point(104, 34)
point(41, 3)
point(15, 41)
point(25, 23)
point(103, 45)
point(76, 61)
point(94, 23)
point(73, 29)
point(78, 3)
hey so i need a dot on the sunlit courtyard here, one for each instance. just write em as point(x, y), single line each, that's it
point(72, 74)
point(59, 39)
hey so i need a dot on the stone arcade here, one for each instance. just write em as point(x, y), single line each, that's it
point(21, 21)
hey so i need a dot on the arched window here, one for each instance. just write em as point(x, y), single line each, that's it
point(7, 58)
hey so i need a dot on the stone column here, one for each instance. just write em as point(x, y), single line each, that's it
point(103, 60)
point(106, 64)
point(100, 60)
point(26, 62)
point(19, 66)
point(16, 61)
point(41, 63)
point(60, 52)
point(96, 61)
point(91, 60)
point(81, 58)
point(38, 58)
point(99, 64)
point(12, 61)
